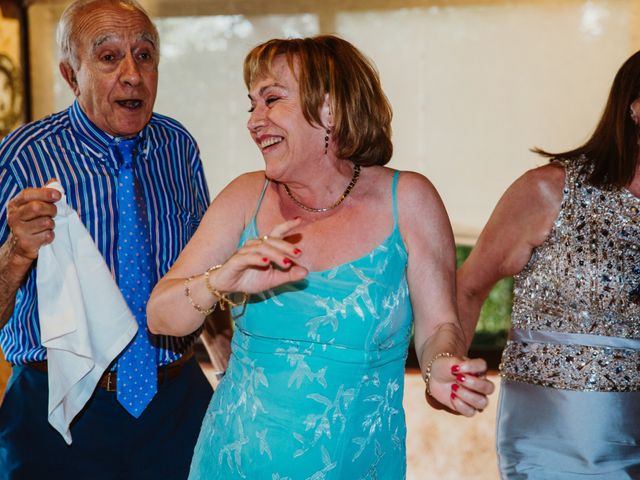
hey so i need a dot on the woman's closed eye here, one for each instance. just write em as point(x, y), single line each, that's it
point(270, 100)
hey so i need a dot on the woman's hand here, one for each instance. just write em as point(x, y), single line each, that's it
point(460, 385)
point(261, 264)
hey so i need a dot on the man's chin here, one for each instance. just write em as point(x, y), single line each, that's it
point(129, 127)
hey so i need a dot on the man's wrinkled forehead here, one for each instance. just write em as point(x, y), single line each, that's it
point(100, 23)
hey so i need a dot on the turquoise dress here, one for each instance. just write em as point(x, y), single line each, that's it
point(315, 382)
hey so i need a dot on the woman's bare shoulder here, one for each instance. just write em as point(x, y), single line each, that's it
point(545, 180)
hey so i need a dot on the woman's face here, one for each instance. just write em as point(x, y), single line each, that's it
point(290, 146)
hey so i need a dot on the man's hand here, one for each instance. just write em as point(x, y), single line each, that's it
point(30, 218)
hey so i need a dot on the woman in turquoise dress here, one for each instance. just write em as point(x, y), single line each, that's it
point(570, 233)
point(330, 260)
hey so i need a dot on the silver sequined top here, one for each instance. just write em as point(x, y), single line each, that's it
point(584, 279)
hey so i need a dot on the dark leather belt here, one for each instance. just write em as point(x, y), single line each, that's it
point(108, 380)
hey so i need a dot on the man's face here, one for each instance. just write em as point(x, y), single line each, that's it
point(117, 75)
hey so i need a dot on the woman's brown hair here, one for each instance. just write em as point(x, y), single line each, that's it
point(613, 147)
point(330, 65)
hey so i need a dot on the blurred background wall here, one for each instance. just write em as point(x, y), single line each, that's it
point(474, 84)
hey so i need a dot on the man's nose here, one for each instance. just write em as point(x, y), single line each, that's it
point(129, 70)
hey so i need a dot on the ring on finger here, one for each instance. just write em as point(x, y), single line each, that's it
point(265, 238)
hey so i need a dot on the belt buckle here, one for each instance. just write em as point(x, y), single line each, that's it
point(111, 382)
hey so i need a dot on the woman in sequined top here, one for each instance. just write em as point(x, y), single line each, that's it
point(570, 233)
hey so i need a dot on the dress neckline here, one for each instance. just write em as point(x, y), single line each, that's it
point(251, 230)
point(387, 240)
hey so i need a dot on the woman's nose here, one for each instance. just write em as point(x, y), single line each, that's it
point(257, 118)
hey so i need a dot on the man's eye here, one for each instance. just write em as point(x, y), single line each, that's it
point(145, 56)
point(108, 58)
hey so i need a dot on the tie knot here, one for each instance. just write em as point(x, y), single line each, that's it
point(126, 149)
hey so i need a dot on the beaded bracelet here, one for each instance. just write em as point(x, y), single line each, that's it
point(427, 372)
point(223, 297)
point(202, 310)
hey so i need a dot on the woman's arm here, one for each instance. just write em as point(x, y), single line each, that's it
point(520, 222)
point(247, 269)
point(431, 277)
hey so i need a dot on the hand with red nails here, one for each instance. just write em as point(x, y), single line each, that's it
point(460, 385)
point(247, 271)
point(258, 265)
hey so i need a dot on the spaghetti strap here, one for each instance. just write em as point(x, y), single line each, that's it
point(264, 190)
point(394, 199)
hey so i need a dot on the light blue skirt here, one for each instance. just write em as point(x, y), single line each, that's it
point(551, 434)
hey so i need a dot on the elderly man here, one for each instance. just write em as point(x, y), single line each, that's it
point(130, 174)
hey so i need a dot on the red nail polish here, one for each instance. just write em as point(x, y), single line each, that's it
point(297, 251)
point(460, 378)
point(455, 387)
point(265, 259)
point(453, 396)
point(286, 261)
point(455, 369)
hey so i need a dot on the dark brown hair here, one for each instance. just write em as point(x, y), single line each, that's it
point(330, 65)
point(613, 147)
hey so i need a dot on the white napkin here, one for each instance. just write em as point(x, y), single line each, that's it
point(84, 320)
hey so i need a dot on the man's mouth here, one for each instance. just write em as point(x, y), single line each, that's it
point(130, 104)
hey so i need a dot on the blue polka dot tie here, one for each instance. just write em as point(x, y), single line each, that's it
point(137, 381)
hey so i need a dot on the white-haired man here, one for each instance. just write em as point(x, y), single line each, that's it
point(110, 54)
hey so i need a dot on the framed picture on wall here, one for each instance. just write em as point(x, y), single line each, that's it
point(13, 99)
point(12, 73)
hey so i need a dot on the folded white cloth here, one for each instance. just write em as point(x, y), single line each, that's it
point(84, 321)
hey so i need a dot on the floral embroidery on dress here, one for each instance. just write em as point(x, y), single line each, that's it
point(314, 386)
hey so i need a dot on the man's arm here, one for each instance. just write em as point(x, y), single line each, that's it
point(12, 274)
point(30, 220)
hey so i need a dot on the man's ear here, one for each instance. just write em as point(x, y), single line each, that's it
point(69, 74)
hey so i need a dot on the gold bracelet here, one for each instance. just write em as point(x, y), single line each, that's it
point(187, 292)
point(427, 371)
point(223, 297)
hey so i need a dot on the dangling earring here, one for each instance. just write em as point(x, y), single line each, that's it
point(326, 141)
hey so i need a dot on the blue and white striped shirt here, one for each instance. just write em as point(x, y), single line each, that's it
point(69, 147)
